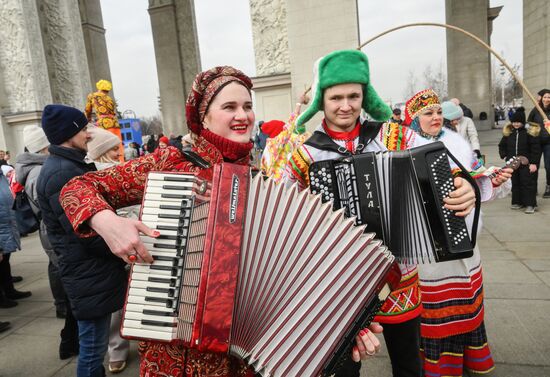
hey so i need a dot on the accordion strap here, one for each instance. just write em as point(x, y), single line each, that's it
point(322, 141)
point(464, 174)
point(194, 158)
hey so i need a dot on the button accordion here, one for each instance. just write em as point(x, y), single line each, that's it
point(399, 195)
point(262, 271)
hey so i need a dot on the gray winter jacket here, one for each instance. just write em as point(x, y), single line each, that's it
point(27, 170)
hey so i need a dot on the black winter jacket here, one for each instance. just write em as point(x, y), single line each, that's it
point(535, 117)
point(520, 142)
point(94, 279)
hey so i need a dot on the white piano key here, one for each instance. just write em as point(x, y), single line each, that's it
point(139, 316)
point(133, 324)
point(164, 176)
point(157, 195)
point(151, 240)
point(183, 203)
point(146, 334)
point(158, 183)
point(157, 211)
point(167, 221)
point(143, 284)
point(145, 268)
point(133, 291)
point(137, 308)
point(141, 300)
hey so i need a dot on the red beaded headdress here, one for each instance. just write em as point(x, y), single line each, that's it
point(419, 102)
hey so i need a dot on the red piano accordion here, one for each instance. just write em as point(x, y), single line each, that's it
point(265, 272)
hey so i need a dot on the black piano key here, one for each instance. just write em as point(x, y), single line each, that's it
point(173, 196)
point(169, 291)
point(171, 282)
point(169, 216)
point(168, 206)
point(164, 258)
point(177, 178)
point(172, 187)
point(169, 303)
point(159, 313)
point(167, 227)
point(167, 237)
point(165, 268)
point(157, 323)
point(165, 246)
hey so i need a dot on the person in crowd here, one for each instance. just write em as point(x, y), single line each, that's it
point(27, 171)
point(103, 151)
point(220, 116)
point(278, 149)
point(163, 142)
point(152, 144)
point(3, 158)
point(9, 243)
point(461, 124)
point(521, 139)
point(465, 109)
point(396, 116)
point(343, 89)
point(130, 152)
point(105, 111)
point(453, 336)
point(544, 137)
point(94, 280)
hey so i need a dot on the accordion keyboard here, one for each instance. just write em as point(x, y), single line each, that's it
point(154, 290)
point(439, 169)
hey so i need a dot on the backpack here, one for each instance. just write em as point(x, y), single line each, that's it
point(27, 221)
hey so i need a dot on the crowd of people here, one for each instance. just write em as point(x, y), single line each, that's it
point(85, 190)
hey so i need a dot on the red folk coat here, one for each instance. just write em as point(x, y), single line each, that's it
point(121, 186)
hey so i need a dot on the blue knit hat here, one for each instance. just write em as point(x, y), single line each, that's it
point(60, 123)
point(451, 111)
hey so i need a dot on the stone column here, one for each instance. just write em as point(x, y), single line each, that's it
point(468, 63)
point(65, 51)
point(24, 85)
point(272, 85)
point(536, 47)
point(316, 28)
point(94, 40)
point(177, 56)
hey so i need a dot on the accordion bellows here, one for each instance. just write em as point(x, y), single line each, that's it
point(289, 301)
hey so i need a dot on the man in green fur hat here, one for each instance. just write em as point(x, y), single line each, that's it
point(344, 67)
point(341, 89)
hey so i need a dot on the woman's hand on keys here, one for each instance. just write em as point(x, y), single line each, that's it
point(122, 236)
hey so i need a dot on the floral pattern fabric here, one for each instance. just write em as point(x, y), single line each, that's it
point(105, 110)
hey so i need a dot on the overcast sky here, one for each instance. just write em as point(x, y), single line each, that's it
point(225, 38)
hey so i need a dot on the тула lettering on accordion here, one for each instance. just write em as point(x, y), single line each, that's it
point(399, 196)
point(262, 271)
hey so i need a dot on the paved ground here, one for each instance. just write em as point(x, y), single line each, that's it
point(515, 248)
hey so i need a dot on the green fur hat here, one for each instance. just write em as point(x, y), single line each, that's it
point(343, 67)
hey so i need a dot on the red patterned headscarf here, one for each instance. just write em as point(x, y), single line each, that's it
point(205, 87)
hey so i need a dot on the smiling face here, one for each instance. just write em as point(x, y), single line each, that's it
point(342, 106)
point(431, 120)
point(230, 113)
point(546, 100)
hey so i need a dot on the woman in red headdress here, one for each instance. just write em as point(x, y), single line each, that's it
point(453, 336)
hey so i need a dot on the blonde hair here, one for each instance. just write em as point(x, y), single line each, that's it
point(106, 160)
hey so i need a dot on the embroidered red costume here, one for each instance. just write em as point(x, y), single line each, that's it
point(121, 186)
